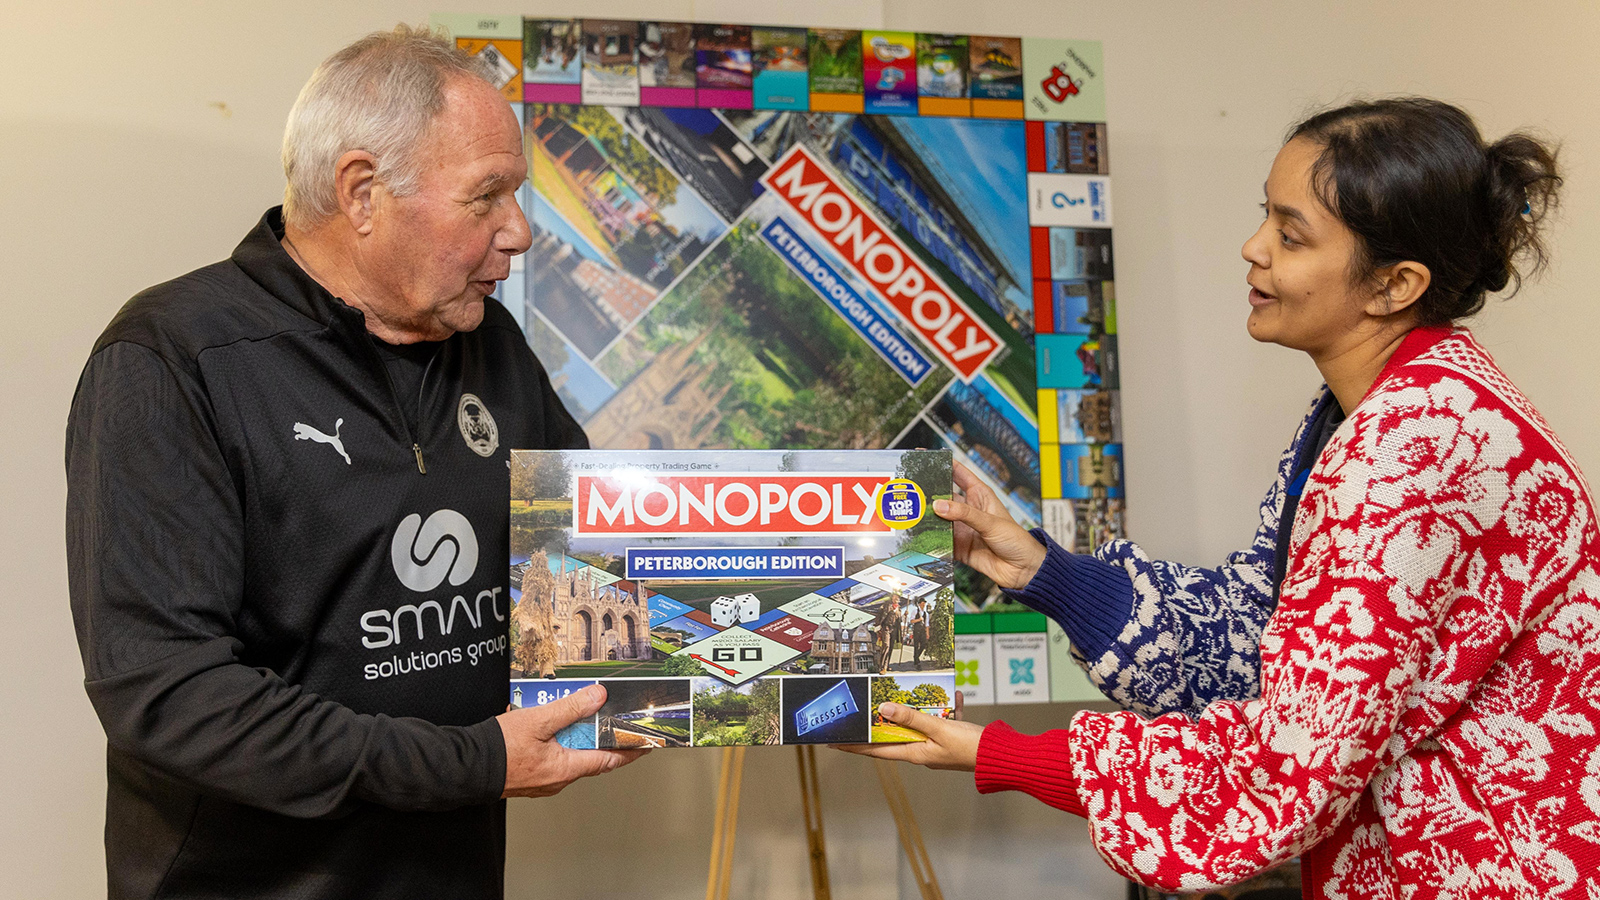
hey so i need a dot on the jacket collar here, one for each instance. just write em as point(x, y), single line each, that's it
point(261, 257)
point(1416, 342)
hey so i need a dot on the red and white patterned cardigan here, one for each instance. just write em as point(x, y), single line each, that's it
point(1428, 724)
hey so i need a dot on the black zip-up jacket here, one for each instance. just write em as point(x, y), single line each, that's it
point(295, 637)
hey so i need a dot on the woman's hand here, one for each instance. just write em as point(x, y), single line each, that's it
point(986, 537)
point(951, 743)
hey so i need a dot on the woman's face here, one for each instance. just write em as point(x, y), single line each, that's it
point(1300, 291)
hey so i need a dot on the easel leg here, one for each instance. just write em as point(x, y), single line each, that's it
point(727, 824)
point(905, 822)
point(811, 803)
point(722, 832)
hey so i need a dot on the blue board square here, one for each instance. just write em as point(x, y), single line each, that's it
point(665, 608)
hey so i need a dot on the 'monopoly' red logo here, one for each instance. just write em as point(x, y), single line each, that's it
point(960, 338)
point(746, 503)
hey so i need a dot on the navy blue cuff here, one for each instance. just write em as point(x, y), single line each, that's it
point(1091, 600)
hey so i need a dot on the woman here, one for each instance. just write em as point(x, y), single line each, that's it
point(1398, 680)
point(886, 632)
point(918, 617)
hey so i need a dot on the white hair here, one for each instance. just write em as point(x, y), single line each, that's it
point(380, 94)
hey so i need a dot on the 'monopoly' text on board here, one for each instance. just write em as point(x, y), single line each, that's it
point(961, 339)
point(745, 503)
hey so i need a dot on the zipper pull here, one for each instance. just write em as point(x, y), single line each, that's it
point(417, 449)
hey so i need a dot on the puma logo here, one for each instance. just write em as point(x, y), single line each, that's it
point(303, 432)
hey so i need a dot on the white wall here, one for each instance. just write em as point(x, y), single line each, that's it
point(138, 141)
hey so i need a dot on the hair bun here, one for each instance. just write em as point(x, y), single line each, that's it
point(1523, 181)
point(1492, 280)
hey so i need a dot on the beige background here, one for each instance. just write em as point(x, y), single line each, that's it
point(138, 141)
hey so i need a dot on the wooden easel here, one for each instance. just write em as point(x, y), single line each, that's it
point(727, 822)
point(894, 792)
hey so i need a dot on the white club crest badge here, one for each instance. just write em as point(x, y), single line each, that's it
point(477, 426)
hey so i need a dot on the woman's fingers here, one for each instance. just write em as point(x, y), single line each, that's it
point(962, 475)
point(965, 539)
point(900, 714)
point(993, 544)
point(981, 521)
point(977, 493)
point(949, 744)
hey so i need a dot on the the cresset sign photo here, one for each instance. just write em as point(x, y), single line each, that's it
point(744, 503)
point(945, 322)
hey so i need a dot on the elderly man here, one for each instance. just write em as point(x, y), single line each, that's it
point(287, 517)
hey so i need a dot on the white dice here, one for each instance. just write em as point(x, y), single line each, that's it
point(749, 607)
point(724, 611)
point(728, 611)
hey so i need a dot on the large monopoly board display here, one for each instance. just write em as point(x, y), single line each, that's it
point(732, 597)
point(753, 237)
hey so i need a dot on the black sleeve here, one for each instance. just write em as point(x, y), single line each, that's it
point(155, 555)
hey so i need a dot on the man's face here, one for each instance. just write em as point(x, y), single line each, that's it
point(433, 256)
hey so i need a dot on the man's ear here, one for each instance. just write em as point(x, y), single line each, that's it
point(353, 181)
point(1399, 287)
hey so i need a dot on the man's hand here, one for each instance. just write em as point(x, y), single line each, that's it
point(537, 766)
point(951, 743)
point(986, 537)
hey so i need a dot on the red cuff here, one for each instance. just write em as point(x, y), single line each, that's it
point(1036, 764)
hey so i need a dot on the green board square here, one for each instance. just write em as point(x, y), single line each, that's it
point(1063, 80)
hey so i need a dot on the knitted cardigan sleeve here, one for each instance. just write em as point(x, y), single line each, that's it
point(1158, 636)
point(1415, 491)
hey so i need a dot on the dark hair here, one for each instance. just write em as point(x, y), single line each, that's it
point(1414, 180)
